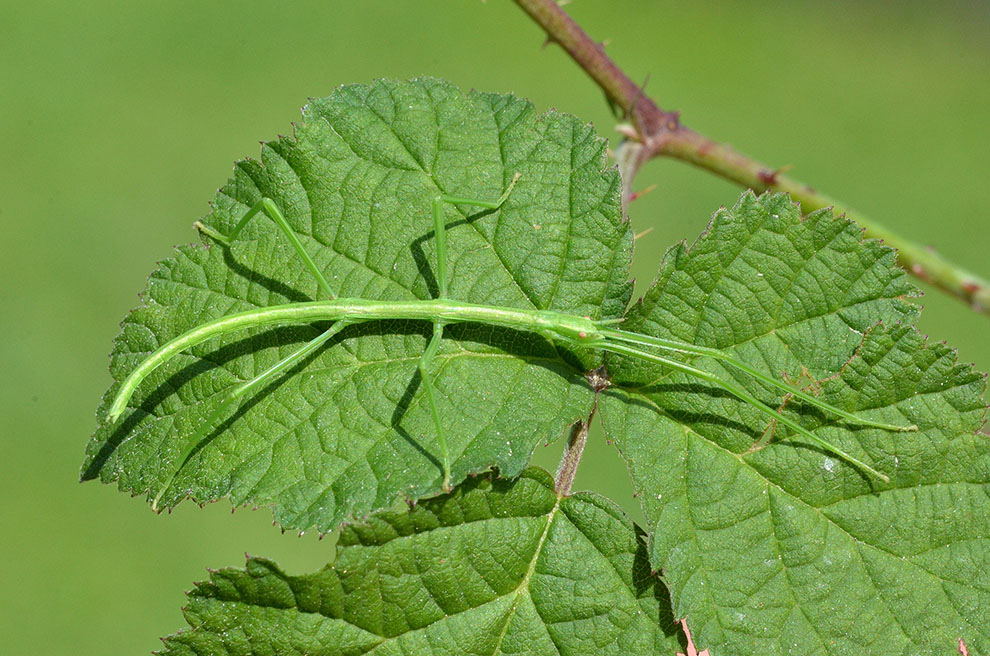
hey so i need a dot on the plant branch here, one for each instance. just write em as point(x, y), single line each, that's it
point(590, 56)
point(655, 133)
point(922, 261)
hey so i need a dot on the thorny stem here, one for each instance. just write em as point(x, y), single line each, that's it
point(922, 261)
point(657, 133)
point(590, 56)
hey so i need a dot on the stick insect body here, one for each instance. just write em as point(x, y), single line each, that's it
point(566, 329)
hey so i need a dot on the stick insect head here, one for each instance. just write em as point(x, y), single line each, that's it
point(571, 329)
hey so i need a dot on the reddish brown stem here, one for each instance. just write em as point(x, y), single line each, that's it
point(567, 469)
point(659, 133)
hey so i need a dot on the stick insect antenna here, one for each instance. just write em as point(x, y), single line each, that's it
point(742, 394)
point(683, 347)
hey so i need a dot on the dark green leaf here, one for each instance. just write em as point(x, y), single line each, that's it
point(349, 432)
point(494, 568)
point(791, 550)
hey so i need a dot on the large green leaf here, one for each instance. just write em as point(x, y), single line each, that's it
point(348, 431)
point(791, 550)
point(787, 549)
point(494, 568)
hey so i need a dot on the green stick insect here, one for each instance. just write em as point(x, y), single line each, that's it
point(565, 329)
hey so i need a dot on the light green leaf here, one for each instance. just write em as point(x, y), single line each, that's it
point(348, 431)
point(495, 567)
point(791, 550)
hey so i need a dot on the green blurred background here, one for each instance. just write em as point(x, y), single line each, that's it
point(118, 120)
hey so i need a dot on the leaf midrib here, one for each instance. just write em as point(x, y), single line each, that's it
point(518, 591)
point(524, 584)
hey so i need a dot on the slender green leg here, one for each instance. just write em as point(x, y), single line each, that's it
point(440, 233)
point(772, 428)
point(671, 345)
point(268, 206)
point(440, 228)
point(742, 394)
point(769, 432)
point(765, 438)
point(424, 372)
point(238, 392)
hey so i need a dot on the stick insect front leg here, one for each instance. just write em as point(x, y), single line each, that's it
point(741, 393)
point(814, 386)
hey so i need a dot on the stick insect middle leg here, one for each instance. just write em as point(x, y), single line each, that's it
point(271, 209)
point(440, 233)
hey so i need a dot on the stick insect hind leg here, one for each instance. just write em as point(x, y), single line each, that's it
point(235, 395)
point(271, 209)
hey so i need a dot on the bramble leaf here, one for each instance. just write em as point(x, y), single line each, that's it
point(348, 432)
point(784, 549)
point(789, 549)
point(495, 567)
